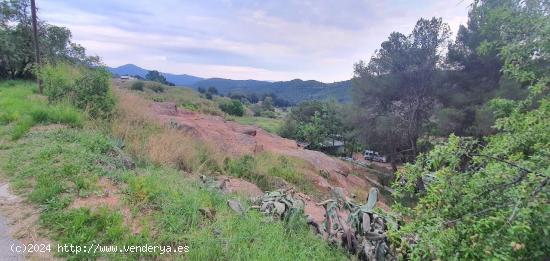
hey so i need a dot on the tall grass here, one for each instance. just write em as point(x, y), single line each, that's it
point(23, 109)
point(270, 171)
point(147, 139)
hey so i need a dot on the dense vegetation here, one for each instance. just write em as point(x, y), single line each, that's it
point(489, 197)
point(316, 123)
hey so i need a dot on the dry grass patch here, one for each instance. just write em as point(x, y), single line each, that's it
point(149, 140)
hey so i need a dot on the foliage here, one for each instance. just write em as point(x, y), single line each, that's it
point(232, 107)
point(19, 109)
point(489, 198)
point(86, 88)
point(266, 170)
point(16, 42)
point(137, 86)
point(155, 87)
point(156, 76)
point(396, 87)
point(315, 122)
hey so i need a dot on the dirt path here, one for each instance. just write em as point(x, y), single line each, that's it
point(19, 226)
point(6, 240)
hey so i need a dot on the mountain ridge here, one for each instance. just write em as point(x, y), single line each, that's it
point(294, 91)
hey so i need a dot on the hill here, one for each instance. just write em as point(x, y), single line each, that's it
point(178, 79)
point(295, 91)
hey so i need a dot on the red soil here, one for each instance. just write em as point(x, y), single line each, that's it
point(235, 139)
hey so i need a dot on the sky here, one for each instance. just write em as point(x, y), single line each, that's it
point(245, 39)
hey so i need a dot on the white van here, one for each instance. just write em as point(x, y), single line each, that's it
point(373, 156)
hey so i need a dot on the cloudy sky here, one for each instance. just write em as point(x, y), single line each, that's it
point(243, 39)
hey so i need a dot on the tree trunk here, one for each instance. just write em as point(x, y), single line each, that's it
point(36, 49)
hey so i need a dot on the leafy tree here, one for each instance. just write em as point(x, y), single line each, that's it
point(17, 56)
point(232, 107)
point(397, 86)
point(267, 104)
point(156, 76)
point(489, 198)
point(315, 122)
point(212, 90)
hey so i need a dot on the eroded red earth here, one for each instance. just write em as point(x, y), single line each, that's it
point(234, 139)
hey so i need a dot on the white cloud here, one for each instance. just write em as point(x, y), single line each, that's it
point(271, 40)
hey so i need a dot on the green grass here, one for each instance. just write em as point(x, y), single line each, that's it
point(269, 124)
point(53, 167)
point(23, 109)
point(183, 97)
point(267, 170)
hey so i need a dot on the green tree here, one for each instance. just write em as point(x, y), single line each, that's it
point(267, 104)
point(156, 76)
point(398, 85)
point(16, 42)
point(489, 198)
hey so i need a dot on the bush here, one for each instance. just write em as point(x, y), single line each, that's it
point(93, 93)
point(232, 107)
point(155, 86)
point(268, 114)
point(86, 88)
point(137, 86)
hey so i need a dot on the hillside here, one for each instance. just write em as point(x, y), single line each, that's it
point(178, 79)
point(135, 186)
point(295, 91)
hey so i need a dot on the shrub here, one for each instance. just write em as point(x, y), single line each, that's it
point(268, 114)
point(190, 106)
point(86, 88)
point(58, 81)
point(137, 86)
point(93, 93)
point(232, 107)
point(155, 86)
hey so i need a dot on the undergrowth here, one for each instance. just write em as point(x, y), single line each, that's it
point(21, 107)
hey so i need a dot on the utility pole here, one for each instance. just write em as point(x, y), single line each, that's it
point(36, 49)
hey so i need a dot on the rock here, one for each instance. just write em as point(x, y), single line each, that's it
point(208, 212)
point(251, 132)
point(236, 206)
point(128, 162)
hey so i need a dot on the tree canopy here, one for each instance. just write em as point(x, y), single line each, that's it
point(17, 57)
point(489, 197)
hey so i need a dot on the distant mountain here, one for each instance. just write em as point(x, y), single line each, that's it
point(178, 79)
point(294, 91)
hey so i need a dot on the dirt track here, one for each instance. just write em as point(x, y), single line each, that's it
point(235, 139)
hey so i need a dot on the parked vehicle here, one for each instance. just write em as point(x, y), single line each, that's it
point(374, 156)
